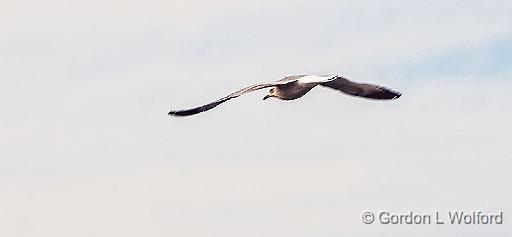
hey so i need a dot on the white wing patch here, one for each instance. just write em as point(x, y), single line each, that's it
point(316, 79)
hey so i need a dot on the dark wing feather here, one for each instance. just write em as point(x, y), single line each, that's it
point(214, 104)
point(362, 89)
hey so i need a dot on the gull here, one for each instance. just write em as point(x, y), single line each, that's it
point(294, 87)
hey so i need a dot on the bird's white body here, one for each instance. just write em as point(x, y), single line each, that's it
point(316, 79)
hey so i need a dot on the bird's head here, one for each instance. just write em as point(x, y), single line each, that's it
point(271, 93)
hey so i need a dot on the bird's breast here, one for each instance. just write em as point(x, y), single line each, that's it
point(294, 90)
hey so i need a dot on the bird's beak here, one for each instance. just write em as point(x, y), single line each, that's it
point(266, 97)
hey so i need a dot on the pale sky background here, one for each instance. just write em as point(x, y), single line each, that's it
point(87, 148)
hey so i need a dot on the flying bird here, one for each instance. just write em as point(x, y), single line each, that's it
point(294, 87)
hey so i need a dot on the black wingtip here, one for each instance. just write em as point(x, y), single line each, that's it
point(174, 113)
point(184, 113)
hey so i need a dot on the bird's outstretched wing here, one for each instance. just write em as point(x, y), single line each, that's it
point(362, 89)
point(206, 107)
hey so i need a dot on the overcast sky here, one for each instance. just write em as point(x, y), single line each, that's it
point(87, 148)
